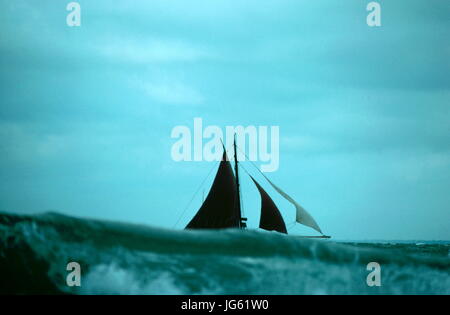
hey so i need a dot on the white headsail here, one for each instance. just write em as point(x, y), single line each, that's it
point(302, 216)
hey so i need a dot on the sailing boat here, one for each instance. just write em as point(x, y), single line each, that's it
point(222, 207)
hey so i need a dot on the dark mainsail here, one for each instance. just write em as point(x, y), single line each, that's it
point(219, 210)
point(271, 218)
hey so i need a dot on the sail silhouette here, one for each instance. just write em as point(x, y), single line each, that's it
point(222, 209)
point(271, 219)
point(302, 216)
point(219, 211)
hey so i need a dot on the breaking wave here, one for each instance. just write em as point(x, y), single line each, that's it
point(119, 258)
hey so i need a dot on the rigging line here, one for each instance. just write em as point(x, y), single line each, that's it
point(291, 225)
point(246, 156)
point(245, 169)
point(242, 206)
point(196, 192)
point(254, 165)
point(226, 150)
point(242, 199)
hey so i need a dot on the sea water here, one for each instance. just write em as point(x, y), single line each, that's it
point(119, 258)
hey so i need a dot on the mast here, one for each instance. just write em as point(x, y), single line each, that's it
point(242, 220)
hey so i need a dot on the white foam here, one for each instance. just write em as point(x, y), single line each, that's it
point(112, 279)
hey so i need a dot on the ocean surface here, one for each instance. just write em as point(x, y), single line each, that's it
point(119, 258)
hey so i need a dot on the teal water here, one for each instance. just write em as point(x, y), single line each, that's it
point(119, 258)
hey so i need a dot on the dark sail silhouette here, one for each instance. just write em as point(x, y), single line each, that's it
point(271, 218)
point(222, 209)
point(219, 209)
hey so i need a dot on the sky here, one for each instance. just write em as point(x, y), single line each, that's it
point(364, 112)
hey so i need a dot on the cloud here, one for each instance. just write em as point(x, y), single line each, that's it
point(147, 51)
point(173, 93)
point(358, 108)
point(166, 91)
point(413, 168)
